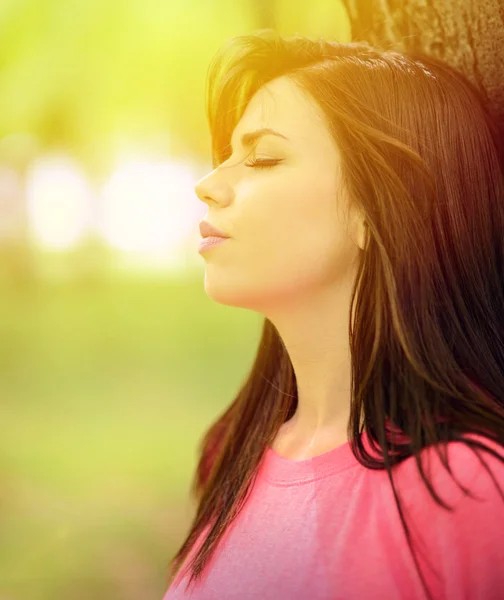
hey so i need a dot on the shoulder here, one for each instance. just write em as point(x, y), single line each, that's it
point(472, 490)
point(465, 541)
point(472, 467)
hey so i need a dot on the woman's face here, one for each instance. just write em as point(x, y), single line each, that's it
point(289, 228)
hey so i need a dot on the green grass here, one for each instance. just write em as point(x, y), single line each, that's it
point(106, 388)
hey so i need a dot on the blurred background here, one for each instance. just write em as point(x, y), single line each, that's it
point(113, 361)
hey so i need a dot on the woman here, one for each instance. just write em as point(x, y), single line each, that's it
point(363, 455)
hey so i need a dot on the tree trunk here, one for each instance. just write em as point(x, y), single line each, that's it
point(467, 34)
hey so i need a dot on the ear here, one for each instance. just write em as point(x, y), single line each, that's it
point(359, 228)
point(361, 233)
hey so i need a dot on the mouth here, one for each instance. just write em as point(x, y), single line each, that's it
point(208, 230)
point(211, 241)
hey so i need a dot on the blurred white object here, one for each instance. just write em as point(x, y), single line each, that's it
point(149, 210)
point(59, 201)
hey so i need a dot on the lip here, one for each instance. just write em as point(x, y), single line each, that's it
point(210, 242)
point(207, 230)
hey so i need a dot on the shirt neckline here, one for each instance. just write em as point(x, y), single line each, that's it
point(279, 470)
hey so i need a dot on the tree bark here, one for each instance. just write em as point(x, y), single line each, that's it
point(467, 34)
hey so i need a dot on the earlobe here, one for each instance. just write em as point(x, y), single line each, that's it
point(358, 227)
point(361, 234)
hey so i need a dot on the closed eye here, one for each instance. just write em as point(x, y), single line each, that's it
point(263, 164)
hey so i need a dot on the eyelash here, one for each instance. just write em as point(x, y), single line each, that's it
point(262, 164)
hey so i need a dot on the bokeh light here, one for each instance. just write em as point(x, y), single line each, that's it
point(59, 202)
point(146, 206)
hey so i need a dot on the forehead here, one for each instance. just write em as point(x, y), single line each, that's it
point(284, 107)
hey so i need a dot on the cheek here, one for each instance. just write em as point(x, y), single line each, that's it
point(273, 266)
point(290, 241)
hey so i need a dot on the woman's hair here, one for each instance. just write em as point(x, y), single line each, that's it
point(420, 158)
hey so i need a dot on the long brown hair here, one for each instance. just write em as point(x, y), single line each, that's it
point(420, 157)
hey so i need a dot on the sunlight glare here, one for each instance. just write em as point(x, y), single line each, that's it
point(146, 206)
point(59, 202)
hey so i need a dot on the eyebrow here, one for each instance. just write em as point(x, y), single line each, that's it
point(249, 138)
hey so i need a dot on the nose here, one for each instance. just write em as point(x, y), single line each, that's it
point(201, 189)
point(214, 191)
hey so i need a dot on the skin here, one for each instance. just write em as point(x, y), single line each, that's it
point(293, 254)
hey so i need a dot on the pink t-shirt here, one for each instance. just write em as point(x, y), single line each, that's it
point(327, 528)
